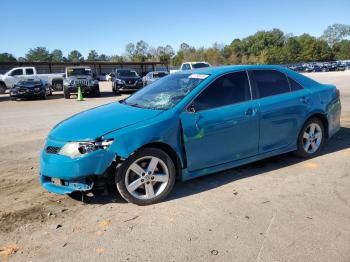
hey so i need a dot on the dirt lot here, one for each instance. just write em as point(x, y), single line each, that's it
point(279, 209)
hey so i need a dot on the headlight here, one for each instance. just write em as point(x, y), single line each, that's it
point(119, 81)
point(68, 82)
point(76, 149)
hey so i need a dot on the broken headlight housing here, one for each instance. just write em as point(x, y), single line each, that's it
point(77, 149)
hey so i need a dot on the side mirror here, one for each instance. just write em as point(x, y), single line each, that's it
point(192, 108)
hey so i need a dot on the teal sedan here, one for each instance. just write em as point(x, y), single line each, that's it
point(189, 124)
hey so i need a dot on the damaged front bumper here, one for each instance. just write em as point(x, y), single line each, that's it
point(63, 175)
point(60, 186)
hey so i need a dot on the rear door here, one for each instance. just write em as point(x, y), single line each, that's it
point(283, 107)
point(222, 123)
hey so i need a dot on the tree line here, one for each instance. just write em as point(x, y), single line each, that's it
point(263, 47)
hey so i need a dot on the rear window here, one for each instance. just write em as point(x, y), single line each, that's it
point(200, 65)
point(159, 74)
point(29, 71)
point(270, 83)
point(294, 85)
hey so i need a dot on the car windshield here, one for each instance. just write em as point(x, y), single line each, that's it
point(166, 92)
point(159, 74)
point(127, 73)
point(200, 65)
point(78, 71)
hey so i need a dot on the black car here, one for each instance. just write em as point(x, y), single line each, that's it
point(341, 67)
point(126, 80)
point(30, 89)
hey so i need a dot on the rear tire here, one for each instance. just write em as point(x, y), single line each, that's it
point(311, 138)
point(152, 180)
point(57, 86)
point(66, 93)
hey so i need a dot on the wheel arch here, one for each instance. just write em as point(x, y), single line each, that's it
point(55, 80)
point(320, 116)
point(170, 151)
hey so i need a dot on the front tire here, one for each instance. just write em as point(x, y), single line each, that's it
point(2, 88)
point(97, 92)
point(146, 177)
point(311, 138)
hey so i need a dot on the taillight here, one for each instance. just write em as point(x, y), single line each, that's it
point(337, 92)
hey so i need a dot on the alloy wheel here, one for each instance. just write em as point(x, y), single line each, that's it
point(312, 138)
point(147, 177)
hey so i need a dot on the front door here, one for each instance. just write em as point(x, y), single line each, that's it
point(222, 124)
point(14, 77)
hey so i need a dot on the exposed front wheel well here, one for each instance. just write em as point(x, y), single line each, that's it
point(171, 152)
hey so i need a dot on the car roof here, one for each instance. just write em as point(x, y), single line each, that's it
point(225, 69)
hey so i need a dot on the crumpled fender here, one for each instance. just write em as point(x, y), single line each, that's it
point(130, 139)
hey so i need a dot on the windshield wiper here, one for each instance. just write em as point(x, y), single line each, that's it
point(133, 104)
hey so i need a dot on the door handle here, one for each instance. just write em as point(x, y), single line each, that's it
point(304, 100)
point(251, 112)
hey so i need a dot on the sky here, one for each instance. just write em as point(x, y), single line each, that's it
point(109, 25)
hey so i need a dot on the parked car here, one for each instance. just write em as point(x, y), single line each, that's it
point(151, 77)
point(30, 88)
point(110, 77)
point(126, 80)
point(12, 77)
point(102, 77)
point(341, 67)
point(187, 125)
point(191, 65)
point(80, 76)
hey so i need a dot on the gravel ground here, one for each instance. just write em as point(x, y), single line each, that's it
point(279, 209)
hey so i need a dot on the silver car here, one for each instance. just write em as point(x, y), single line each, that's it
point(151, 77)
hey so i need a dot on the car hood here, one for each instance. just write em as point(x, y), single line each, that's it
point(96, 122)
point(29, 86)
point(125, 78)
point(80, 77)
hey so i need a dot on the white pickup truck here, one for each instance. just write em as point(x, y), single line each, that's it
point(12, 77)
point(191, 65)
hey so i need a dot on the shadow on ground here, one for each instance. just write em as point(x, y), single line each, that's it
point(339, 142)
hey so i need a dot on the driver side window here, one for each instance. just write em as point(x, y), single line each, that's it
point(17, 72)
point(229, 89)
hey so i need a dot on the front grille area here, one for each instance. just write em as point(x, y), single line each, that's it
point(130, 82)
point(53, 149)
point(23, 90)
point(81, 82)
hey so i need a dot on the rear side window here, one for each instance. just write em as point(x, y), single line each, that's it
point(200, 65)
point(294, 85)
point(29, 71)
point(228, 89)
point(270, 82)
